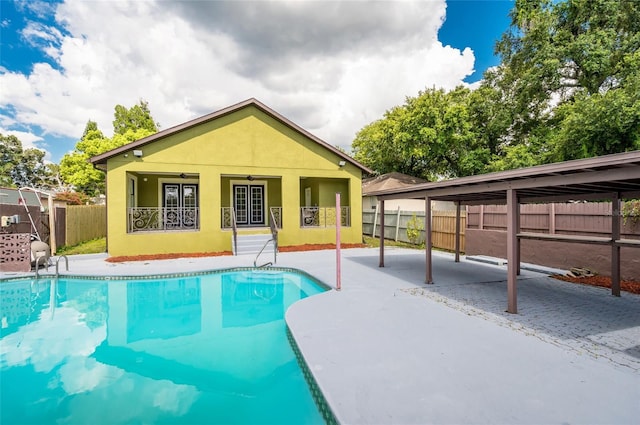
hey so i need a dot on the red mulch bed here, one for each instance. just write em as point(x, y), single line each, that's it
point(603, 281)
point(124, 258)
point(292, 248)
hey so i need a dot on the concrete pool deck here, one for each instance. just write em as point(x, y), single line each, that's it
point(389, 349)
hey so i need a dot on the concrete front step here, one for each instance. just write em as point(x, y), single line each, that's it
point(252, 244)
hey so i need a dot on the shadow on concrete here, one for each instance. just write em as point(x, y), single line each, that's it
point(560, 309)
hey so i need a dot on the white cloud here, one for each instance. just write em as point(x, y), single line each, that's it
point(28, 139)
point(331, 67)
point(38, 34)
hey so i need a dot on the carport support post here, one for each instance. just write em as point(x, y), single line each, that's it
point(381, 264)
point(428, 242)
point(512, 251)
point(457, 240)
point(615, 248)
point(517, 239)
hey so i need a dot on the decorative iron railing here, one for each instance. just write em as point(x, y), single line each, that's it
point(276, 217)
point(275, 213)
point(227, 218)
point(159, 219)
point(324, 216)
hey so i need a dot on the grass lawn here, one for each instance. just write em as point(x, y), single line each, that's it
point(95, 246)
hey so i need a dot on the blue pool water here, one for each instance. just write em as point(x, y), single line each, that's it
point(205, 349)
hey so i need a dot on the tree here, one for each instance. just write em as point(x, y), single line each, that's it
point(75, 168)
point(129, 125)
point(563, 63)
point(10, 154)
point(22, 167)
point(599, 124)
point(431, 136)
point(134, 118)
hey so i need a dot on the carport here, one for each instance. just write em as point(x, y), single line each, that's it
point(612, 177)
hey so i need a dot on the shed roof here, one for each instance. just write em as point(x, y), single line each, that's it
point(102, 158)
point(32, 197)
point(582, 179)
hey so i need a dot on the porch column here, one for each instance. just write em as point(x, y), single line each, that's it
point(381, 233)
point(428, 242)
point(512, 251)
point(457, 240)
point(615, 248)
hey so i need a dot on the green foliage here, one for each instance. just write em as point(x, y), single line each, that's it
point(94, 246)
point(631, 211)
point(129, 125)
point(414, 229)
point(570, 76)
point(138, 117)
point(23, 167)
point(568, 87)
point(599, 124)
point(431, 136)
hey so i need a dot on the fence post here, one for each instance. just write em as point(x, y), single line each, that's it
point(397, 223)
point(457, 236)
point(375, 220)
point(552, 218)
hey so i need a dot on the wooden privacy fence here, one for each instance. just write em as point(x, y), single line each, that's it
point(589, 219)
point(486, 235)
point(84, 223)
point(443, 227)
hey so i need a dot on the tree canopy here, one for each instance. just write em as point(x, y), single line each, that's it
point(568, 87)
point(430, 136)
point(138, 117)
point(23, 167)
point(129, 125)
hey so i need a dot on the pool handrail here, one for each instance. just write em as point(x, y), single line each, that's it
point(38, 263)
point(66, 261)
point(255, 261)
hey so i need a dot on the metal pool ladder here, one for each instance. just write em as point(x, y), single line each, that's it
point(66, 261)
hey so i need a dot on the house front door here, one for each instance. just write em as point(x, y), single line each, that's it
point(248, 203)
point(180, 202)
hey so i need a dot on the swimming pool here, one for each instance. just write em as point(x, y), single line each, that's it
point(204, 348)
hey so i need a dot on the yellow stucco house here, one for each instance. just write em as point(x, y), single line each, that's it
point(243, 170)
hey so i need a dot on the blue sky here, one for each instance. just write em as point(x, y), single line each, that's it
point(331, 67)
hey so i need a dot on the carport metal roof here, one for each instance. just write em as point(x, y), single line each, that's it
point(581, 179)
point(611, 177)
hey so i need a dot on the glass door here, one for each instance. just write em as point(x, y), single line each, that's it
point(180, 202)
point(248, 203)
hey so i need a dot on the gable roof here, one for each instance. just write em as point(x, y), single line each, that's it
point(102, 158)
point(389, 181)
